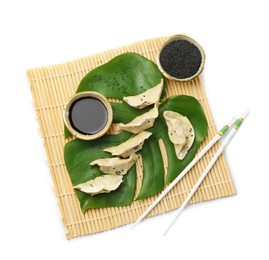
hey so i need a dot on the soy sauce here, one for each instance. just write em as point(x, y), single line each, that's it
point(88, 115)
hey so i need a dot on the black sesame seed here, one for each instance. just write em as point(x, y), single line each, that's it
point(181, 59)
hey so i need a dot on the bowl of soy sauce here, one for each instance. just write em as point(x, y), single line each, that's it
point(181, 58)
point(88, 115)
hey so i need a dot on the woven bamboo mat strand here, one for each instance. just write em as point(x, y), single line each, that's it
point(52, 86)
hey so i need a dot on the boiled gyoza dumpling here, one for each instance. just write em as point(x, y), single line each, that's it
point(116, 165)
point(141, 122)
point(131, 146)
point(149, 97)
point(101, 184)
point(180, 132)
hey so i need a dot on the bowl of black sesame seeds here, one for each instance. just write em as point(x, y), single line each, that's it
point(181, 58)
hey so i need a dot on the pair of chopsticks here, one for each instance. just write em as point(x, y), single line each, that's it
point(233, 125)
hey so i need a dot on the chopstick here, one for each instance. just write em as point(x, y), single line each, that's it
point(223, 130)
point(204, 174)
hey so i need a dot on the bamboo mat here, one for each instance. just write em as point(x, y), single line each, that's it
point(52, 86)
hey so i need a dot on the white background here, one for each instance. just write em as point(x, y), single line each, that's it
point(234, 35)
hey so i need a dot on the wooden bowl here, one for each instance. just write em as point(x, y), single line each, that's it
point(189, 39)
point(73, 130)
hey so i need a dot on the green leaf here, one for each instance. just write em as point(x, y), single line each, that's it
point(126, 75)
point(190, 107)
point(78, 154)
point(131, 74)
point(153, 169)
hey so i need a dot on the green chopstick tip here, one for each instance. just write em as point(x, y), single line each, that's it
point(223, 130)
point(241, 119)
